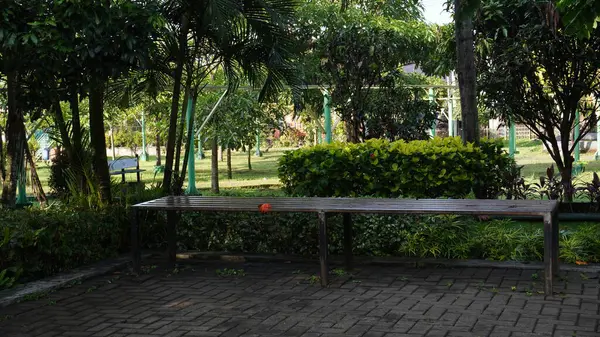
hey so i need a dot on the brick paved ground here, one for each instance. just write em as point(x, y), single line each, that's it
point(203, 299)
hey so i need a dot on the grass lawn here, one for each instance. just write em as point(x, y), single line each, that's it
point(535, 161)
point(263, 175)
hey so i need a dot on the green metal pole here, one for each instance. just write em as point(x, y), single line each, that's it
point(327, 113)
point(432, 100)
point(512, 140)
point(200, 150)
point(450, 114)
point(576, 136)
point(597, 141)
point(22, 182)
point(22, 186)
point(144, 156)
point(191, 188)
point(258, 153)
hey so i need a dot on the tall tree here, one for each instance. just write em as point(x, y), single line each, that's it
point(534, 72)
point(352, 51)
point(247, 38)
point(467, 76)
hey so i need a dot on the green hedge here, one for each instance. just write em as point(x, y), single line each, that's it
point(441, 167)
point(38, 243)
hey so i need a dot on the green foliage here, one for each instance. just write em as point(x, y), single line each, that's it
point(442, 167)
point(531, 71)
point(394, 112)
point(58, 176)
point(39, 243)
point(580, 17)
point(353, 49)
point(377, 235)
point(441, 59)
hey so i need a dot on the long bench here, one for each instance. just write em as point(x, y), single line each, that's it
point(546, 210)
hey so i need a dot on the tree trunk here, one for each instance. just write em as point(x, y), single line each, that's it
point(15, 137)
point(78, 156)
point(566, 172)
point(180, 132)
point(76, 125)
point(465, 52)
point(183, 36)
point(229, 171)
point(352, 131)
point(158, 156)
point(188, 145)
point(36, 184)
point(221, 153)
point(98, 140)
point(249, 158)
point(62, 129)
point(214, 167)
point(2, 160)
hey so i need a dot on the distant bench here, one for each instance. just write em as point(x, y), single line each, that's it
point(545, 209)
point(122, 166)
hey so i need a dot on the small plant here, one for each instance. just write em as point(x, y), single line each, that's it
point(230, 272)
point(584, 276)
point(7, 281)
point(296, 272)
point(404, 279)
point(528, 293)
point(34, 296)
point(5, 317)
point(513, 288)
point(480, 285)
point(314, 279)
point(73, 283)
point(90, 289)
point(339, 272)
point(495, 290)
point(449, 284)
point(535, 276)
point(51, 302)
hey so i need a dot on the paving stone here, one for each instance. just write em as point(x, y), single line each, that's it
point(271, 300)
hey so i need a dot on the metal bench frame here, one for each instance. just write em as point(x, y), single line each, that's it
point(546, 209)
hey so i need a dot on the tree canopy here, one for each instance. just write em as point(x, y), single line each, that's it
point(535, 73)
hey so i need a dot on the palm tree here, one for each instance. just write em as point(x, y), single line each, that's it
point(249, 39)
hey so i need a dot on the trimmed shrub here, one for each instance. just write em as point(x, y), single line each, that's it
point(37, 243)
point(441, 167)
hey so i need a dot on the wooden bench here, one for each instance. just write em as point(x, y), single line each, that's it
point(546, 210)
point(122, 166)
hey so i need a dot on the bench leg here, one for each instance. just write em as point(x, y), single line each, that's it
point(323, 249)
point(550, 251)
point(172, 220)
point(555, 242)
point(136, 256)
point(348, 240)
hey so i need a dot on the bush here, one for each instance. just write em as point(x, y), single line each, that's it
point(37, 243)
point(441, 167)
point(449, 237)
